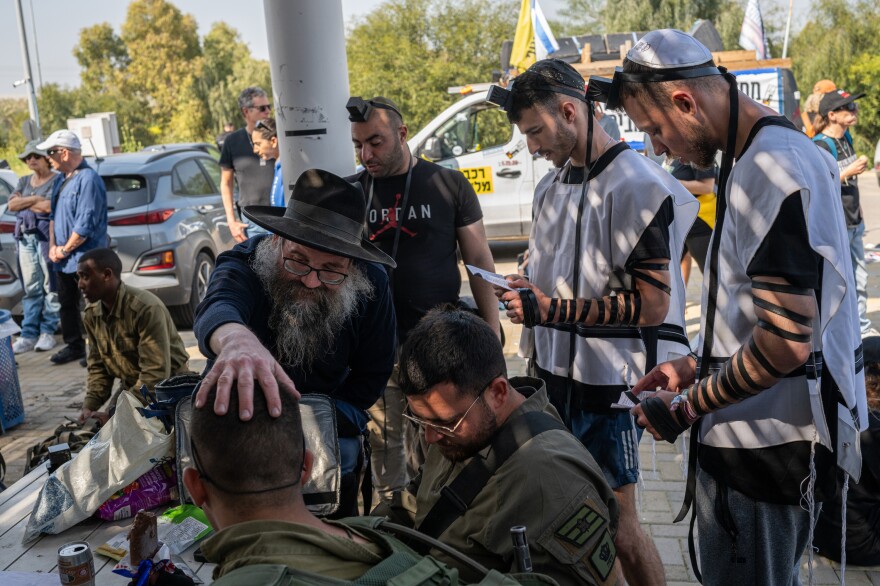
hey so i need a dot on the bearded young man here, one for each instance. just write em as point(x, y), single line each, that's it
point(605, 299)
point(498, 456)
point(422, 215)
point(304, 310)
point(776, 392)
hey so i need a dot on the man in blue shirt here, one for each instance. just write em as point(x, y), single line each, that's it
point(78, 224)
point(306, 309)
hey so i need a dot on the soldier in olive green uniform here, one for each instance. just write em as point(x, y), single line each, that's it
point(130, 332)
point(531, 470)
point(265, 533)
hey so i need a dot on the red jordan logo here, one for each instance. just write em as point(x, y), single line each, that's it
point(392, 221)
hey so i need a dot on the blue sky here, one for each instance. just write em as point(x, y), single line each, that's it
point(58, 23)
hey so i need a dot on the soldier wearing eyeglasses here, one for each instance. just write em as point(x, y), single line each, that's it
point(498, 457)
point(239, 163)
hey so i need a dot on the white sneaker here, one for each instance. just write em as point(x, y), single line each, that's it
point(46, 342)
point(23, 345)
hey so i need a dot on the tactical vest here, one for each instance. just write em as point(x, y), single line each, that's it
point(402, 567)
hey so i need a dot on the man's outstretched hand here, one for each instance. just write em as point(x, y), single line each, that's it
point(242, 359)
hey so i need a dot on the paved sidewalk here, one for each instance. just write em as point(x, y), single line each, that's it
point(52, 393)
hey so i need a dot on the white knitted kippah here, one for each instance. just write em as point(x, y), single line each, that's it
point(669, 49)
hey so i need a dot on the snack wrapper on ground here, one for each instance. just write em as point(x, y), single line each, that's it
point(163, 568)
point(156, 487)
point(127, 447)
point(179, 528)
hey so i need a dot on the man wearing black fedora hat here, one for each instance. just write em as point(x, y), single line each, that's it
point(305, 310)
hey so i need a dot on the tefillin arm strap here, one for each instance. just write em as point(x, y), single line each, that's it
point(711, 311)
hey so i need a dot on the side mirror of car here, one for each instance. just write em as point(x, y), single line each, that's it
point(431, 149)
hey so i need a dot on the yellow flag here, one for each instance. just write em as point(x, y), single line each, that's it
point(523, 54)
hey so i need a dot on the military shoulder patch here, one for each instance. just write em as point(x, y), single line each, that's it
point(581, 526)
point(603, 556)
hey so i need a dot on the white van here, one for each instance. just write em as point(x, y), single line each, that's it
point(476, 138)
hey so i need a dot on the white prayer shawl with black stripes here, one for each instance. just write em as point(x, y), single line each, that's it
point(780, 162)
point(621, 201)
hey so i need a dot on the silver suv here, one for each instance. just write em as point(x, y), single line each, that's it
point(166, 222)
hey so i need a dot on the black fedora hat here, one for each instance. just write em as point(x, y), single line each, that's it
point(325, 212)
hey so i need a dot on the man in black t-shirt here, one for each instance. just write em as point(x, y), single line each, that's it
point(420, 214)
point(239, 162)
point(701, 184)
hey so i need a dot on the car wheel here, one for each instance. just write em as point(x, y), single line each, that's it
point(184, 315)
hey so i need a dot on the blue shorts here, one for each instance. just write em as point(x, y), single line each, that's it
point(613, 440)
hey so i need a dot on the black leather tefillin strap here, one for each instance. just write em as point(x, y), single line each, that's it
point(711, 310)
point(531, 311)
point(650, 266)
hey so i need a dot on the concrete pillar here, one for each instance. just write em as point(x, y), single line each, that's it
point(310, 86)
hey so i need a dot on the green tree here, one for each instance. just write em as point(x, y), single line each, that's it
point(165, 58)
point(602, 16)
point(841, 42)
point(102, 56)
point(580, 17)
point(164, 83)
point(412, 50)
point(228, 68)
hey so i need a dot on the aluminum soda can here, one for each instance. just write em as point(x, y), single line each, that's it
point(76, 564)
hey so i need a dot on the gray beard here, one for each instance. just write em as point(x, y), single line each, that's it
point(305, 321)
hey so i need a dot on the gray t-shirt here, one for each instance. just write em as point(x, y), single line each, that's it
point(25, 188)
point(254, 175)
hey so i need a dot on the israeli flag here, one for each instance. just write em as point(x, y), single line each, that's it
point(545, 42)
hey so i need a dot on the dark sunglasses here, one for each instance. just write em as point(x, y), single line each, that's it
point(265, 108)
point(52, 152)
point(851, 107)
point(32, 156)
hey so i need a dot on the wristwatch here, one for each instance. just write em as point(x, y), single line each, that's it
point(64, 251)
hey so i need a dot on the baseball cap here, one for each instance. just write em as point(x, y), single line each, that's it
point(31, 149)
point(61, 138)
point(836, 100)
point(823, 86)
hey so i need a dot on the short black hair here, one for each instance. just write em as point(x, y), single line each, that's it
point(657, 93)
point(871, 348)
point(254, 455)
point(395, 115)
point(104, 258)
point(450, 345)
point(531, 87)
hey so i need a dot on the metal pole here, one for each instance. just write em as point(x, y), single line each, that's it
point(26, 60)
point(36, 46)
point(310, 85)
point(787, 29)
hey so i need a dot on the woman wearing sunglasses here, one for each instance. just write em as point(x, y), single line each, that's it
point(31, 202)
point(838, 112)
point(265, 138)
